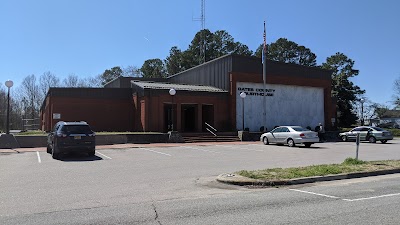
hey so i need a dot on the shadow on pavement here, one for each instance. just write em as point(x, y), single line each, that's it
point(79, 158)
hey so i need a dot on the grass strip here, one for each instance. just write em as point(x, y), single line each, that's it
point(350, 165)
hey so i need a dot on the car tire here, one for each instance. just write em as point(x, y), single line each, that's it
point(372, 139)
point(307, 145)
point(92, 152)
point(383, 141)
point(344, 138)
point(290, 142)
point(265, 141)
point(48, 150)
point(54, 153)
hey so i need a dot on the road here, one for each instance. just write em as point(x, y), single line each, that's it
point(176, 185)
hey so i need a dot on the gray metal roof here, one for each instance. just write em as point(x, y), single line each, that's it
point(178, 87)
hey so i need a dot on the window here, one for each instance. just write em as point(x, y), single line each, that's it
point(76, 129)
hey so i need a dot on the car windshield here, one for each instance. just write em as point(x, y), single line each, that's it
point(300, 129)
point(77, 129)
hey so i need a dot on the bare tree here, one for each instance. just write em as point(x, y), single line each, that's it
point(71, 81)
point(131, 71)
point(396, 96)
point(29, 90)
point(3, 108)
point(47, 80)
point(91, 82)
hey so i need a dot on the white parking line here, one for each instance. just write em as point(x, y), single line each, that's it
point(374, 197)
point(38, 157)
point(241, 148)
point(313, 193)
point(103, 155)
point(199, 149)
point(162, 153)
point(345, 199)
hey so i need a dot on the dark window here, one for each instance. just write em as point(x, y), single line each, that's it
point(276, 130)
point(285, 129)
point(300, 129)
point(364, 129)
point(378, 128)
point(76, 129)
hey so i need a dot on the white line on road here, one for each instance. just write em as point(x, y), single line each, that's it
point(38, 157)
point(199, 149)
point(155, 151)
point(241, 148)
point(103, 155)
point(313, 193)
point(380, 196)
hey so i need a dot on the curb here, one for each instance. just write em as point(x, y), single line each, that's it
point(236, 179)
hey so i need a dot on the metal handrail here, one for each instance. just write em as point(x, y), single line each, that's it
point(209, 126)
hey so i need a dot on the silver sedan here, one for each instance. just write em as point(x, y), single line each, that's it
point(290, 135)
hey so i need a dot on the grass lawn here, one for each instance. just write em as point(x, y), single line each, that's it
point(350, 165)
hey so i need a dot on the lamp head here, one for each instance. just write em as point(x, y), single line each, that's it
point(172, 92)
point(9, 83)
point(243, 95)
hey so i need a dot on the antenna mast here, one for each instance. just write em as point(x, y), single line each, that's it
point(202, 19)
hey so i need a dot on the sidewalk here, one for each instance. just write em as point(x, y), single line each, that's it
point(124, 146)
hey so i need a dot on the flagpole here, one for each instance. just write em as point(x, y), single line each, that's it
point(264, 62)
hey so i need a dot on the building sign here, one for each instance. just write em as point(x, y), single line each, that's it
point(284, 105)
point(256, 91)
point(56, 116)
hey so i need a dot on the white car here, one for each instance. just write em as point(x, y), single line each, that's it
point(290, 135)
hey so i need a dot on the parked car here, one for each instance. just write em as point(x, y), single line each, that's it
point(367, 133)
point(290, 135)
point(69, 137)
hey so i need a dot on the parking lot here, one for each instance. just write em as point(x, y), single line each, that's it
point(33, 182)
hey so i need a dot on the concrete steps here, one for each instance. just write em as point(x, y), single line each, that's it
point(207, 137)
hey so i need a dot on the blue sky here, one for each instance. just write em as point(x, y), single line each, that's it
point(86, 37)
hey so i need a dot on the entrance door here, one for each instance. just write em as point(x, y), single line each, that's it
point(168, 120)
point(189, 118)
point(208, 116)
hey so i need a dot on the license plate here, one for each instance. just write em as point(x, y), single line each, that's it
point(77, 137)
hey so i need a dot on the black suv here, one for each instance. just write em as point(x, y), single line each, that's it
point(69, 137)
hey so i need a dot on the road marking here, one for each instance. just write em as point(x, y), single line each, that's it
point(245, 149)
point(162, 153)
point(373, 197)
point(345, 199)
point(199, 149)
point(313, 193)
point(38, 157)
point(103, 155)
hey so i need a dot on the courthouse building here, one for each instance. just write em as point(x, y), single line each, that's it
point(206, 94)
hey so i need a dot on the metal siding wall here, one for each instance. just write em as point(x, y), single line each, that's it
point(214, 73)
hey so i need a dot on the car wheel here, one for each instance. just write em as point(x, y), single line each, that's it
point(265, 141)
point(383, 141)
point(344, 138)
point(92, 152)
point(372, 139)
point(54, 153)
point(290, 142)
point(48, 149)
point(307, 145)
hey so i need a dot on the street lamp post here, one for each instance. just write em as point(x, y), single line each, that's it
point(362, 111)
point(243, 95)
point(172, 92)
point(9, 84)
